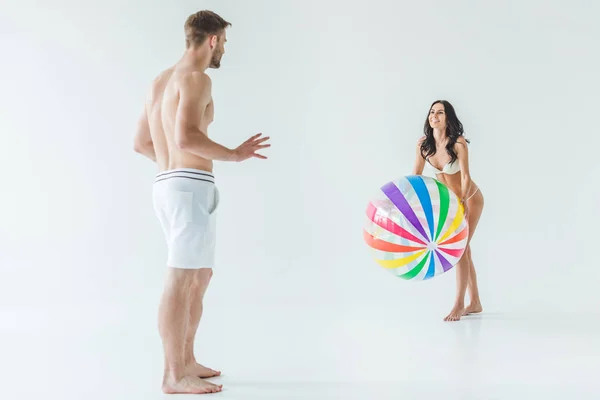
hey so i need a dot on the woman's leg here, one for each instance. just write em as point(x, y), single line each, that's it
point(475, 210)
point(475, 306)
point(465, 271)
point(462, 280)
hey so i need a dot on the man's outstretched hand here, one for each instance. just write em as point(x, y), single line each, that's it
point(249, 148)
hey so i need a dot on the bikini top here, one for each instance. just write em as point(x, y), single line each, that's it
point(449, 168)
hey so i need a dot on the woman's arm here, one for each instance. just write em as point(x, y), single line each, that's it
point(462, 151)
point(419, 160)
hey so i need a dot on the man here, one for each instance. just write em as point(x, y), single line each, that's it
point(172, 132)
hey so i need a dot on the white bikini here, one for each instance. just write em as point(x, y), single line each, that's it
point(451, 168)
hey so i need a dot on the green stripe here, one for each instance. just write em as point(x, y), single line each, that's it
point(415, 271)
point(444, 204)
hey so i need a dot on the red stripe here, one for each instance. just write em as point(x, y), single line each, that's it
point(382, 245)
point(390, 225)
point(453, 252)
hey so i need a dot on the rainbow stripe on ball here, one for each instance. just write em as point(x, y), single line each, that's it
point(416, 228)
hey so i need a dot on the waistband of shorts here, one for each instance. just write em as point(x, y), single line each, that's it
point(185, 173)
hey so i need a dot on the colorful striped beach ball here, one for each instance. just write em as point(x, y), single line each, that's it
point(416, 228)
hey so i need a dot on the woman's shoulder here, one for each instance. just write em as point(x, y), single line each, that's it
point(462, 140)
point(461, 143)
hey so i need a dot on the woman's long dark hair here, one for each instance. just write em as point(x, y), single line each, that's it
point(454, 129)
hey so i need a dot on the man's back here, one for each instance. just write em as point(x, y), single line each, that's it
point(162, 107)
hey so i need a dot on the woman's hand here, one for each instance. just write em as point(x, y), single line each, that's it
point(419, 160)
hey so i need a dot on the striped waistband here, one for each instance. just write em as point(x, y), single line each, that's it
point(186, 173)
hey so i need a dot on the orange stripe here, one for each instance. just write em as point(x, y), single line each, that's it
point(382, 245)
point(463, 234)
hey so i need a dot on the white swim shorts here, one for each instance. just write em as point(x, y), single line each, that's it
point(185, 202)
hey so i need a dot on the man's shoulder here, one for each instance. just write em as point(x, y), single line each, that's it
point(182, 77)
point(159, 83)
point(162, 77)
point(194, 78)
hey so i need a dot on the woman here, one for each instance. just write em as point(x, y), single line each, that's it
point(445, 149)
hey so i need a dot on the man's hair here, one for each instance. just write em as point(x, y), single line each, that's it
point(201, 25)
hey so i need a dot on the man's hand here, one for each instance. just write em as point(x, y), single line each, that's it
point(250, 147)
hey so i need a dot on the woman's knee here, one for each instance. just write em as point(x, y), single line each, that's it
point(467, 253)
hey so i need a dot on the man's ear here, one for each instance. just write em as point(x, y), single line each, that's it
point(213, 41)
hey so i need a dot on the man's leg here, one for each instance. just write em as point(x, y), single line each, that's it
point(173, 320)
point(200, 284)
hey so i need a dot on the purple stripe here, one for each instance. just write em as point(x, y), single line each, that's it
point(445, 263)
point(396, 197)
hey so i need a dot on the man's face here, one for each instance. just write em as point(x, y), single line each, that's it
point(218, 51)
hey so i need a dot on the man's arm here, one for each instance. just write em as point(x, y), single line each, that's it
point(142, 143)
point(194, 97)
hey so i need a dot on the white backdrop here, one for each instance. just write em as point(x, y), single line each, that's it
point(343, 89)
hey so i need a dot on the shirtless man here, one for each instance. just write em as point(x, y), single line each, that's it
point(172, 131)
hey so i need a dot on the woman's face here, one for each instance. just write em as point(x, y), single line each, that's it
point(437, 116)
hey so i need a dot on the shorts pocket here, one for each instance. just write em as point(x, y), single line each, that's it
point(215, 202)
point(181, 207)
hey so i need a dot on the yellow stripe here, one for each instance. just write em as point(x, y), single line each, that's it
point(458, 219)
point(389, 264)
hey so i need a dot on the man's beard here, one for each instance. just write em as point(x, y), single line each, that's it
point(215, 62)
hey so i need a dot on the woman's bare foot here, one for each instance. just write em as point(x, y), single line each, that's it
point(201, 371)
point(474, 308)
point(455, 314)
point(189, 385)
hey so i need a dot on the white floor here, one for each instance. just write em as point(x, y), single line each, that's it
point(90, 352)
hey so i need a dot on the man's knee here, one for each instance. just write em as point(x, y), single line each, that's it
point(203, 277)
point(180, 279)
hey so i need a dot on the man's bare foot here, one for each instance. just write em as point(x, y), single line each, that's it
point(455, 314)
point(474, 308)
point(201, 371)
point(190, 385)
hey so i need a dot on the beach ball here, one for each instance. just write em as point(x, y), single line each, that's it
point(416, 228)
